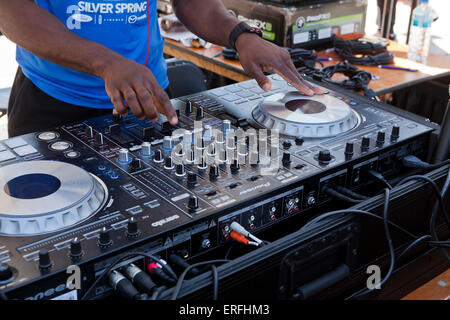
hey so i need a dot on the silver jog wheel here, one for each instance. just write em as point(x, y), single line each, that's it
point(297, 115)
point(42, 196)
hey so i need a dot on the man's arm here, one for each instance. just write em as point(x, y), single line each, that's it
point(211, 21)
point(41, 33)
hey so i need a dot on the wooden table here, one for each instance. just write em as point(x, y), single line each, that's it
point(389, 80)
point(436, 289)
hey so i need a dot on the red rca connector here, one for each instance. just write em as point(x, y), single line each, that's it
point(239, 237)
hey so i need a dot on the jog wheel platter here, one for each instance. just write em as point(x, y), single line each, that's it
point(38, 197)
point(294, 114)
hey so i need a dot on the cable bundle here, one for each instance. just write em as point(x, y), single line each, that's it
point(303, 58)
point(357, 79)
point(364, 51)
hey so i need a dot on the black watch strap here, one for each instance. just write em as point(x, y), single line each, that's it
point(241, 28)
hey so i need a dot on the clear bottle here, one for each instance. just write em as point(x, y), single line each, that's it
point(420, 33)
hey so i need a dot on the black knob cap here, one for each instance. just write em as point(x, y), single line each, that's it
point(136, 164)
point(99, 139)
point(189, 108)
point(235, 166)
point(349, 149)
point(192, 179)
point(44, 259)
point(6, 272)
point(365, 143)
point(213, 172)
point(395, 134)
point(286, 160)
point(168, 164)
point(158, 156)
point(287, 144)
point(179, 169)
point(88, 132)
point(75, 248)
point(200, 114)
point(132, 228)
point(324, 156)
point(105, 238)
point(117, 117)
point(299, 141)
point(202, 165)
point(193, 202)
point(381, 136)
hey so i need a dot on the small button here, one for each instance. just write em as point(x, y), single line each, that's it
point(6, 155)
point(15, 142)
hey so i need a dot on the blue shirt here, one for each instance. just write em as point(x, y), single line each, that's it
point(120, 25)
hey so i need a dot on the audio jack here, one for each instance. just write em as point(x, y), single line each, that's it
point(240, 234)
point(124, 286)
point(139, 278)
point(156, 270)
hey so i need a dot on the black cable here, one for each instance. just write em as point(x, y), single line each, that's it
point(338, 195)
point(350, 193)
point(390, 245)
point(362, 45)
point(179, 284)
point(157, 292)
point(215, 282)
point(127, 256)
point(381, 58)
point(379, 177)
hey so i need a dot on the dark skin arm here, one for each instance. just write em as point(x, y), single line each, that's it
point(211, 21)
point(45, 36)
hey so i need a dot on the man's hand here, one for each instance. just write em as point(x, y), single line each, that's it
point(257, 56)
point(126, 80)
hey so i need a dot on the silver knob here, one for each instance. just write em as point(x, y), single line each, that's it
point(89, 132)
point(187, 137)
point(242, 149)
point(226, 126)
point(167, 143)
point(207, 132)
point(146, 149)
point(124, 156)
point(231, 143)
point(99, 139)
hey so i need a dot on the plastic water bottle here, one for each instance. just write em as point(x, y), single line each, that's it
point(420, 33)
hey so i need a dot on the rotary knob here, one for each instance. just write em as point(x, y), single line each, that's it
point(99, 139)
point(286, 160)
point(124, 156)
point(168, 163)
point(189, 108)
point(226, 126)
point(6, 272)
point(190, 157)
point(158, 156)
point(167, 143)
point(200, 143)
point(365, 144)
point(299, 141)
point(349, 149)
point(254, 159)
point(207, 132)
point(202, 165)
point(200, 114)
point(324, 156)
point(187, 137)
point(104, 240)
point(395, 133)
point(146, 149)
point(235, 166)
point(287, 144)
point(213, 172)
point(179, 170)
point(192, 179)
point(132, 228)
point(44, 260)
point(88, 132)
point(231, 144)
point(193, 203)
point(381, 137)
point(75, 248)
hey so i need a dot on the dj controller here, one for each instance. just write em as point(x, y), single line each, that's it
point(82, 194)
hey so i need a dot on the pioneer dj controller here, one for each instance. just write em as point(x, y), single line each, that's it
point(83, 193)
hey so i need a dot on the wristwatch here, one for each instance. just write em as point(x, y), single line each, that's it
point(241, 28)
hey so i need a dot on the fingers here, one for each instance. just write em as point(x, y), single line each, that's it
point(163, 104)
point(146, 102)
point(133, 103)
point(256, 72)
point(117, 101)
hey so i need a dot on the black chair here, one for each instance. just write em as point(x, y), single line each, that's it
point(4, 98)
point(185, 78)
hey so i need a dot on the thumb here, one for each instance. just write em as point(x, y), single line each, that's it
point(257, 73)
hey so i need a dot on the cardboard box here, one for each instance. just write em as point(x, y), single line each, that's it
point(303, 25)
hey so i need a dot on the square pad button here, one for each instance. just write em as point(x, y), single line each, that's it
point(25, 150)
point(15, 142)
point(6, 155)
